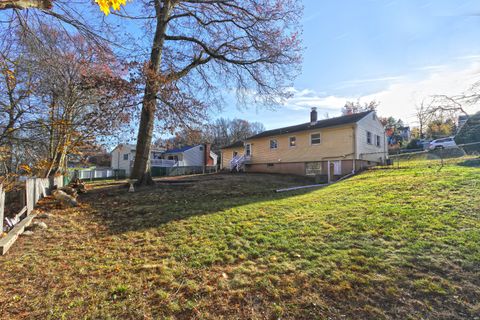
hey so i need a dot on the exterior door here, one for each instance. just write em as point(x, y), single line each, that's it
point(337, 167)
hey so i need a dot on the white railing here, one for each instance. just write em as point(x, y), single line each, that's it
point(164, 163)
point(237, 162)
point(95, 174)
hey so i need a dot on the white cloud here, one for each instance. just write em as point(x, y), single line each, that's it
point(306, 99)
point(401, 94)
point(399, 99)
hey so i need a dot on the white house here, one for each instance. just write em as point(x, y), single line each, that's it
point(124, 154)
point(190, 156)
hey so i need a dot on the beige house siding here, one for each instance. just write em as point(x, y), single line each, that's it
point(227, 155)
point(297, 168)
point(344, 147)
point(370, 152)
point(336, 143)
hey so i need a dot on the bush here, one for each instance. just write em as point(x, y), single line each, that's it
point(470, 133)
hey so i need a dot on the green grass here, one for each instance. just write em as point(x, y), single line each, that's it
point(386, 244)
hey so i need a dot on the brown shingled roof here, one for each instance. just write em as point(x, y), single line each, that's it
point(332, 122)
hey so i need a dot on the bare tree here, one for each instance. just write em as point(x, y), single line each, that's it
point(423, 117)
point(61, 93)
point(357, 107)
point(202, 48)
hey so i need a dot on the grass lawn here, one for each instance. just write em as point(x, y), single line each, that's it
point(386, 244)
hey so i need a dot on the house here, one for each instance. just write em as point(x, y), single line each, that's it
point(123, 156)
point(331, 147)
point(191, 156)
point(405, 133)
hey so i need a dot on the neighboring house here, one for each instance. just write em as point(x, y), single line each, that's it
point(123, 157)
point(399, 135)
point(405, 133)
point(124, 154)
point(191, 156)
point(331, 147)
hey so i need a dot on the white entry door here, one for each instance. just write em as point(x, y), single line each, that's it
point(337, 167)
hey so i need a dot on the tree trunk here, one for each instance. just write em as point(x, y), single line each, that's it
point(141, 170)
point(26, 4)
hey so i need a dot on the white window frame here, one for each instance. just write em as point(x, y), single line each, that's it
point(378, 142)
point(249, 153)
point(276, 144)
point(319, 138)
point(128, 156)
point(290, 142)
point(369, 137)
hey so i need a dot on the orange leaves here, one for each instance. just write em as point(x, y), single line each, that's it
point(105, 5)
point(26, 168)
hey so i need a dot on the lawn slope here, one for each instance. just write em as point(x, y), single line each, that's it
point(386, 244)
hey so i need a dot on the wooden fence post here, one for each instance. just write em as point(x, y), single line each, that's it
point(30, 194)
point(2, 206)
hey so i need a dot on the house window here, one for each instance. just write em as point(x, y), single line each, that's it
point(270, 164)
point(273, 144)
point(235, 153)
point(248, 150)
point(292, 141)
point(369, 137)
point(125, 156)
point(313, 168)
point(201, 148)
point(377, 137)
point(315, 138)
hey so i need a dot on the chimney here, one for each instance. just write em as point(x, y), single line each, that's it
point(313, 116)
point(208, 161)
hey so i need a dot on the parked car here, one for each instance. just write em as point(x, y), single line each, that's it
point(424, 143)
point(444, 143)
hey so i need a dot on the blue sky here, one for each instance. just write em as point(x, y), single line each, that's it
point(394, 51)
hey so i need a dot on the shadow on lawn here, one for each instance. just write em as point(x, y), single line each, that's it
point(470, 163)
point(180, 198)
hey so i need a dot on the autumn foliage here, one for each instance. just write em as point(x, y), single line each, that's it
point(106, 5)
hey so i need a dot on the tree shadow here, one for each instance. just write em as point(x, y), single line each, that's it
point(174, 199)
point(470, 163)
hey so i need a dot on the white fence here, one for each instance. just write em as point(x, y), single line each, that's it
point(99, 174)
point(35, 189)
point(164, 163)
